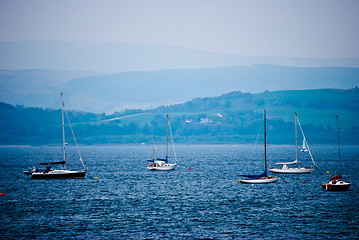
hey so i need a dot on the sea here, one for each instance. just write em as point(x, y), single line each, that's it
point(201, 199)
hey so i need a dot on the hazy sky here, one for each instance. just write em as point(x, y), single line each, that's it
point(303, 28)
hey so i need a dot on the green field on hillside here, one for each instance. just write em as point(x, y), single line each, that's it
point(230, 118)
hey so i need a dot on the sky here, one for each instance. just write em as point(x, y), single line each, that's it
point(305, 28)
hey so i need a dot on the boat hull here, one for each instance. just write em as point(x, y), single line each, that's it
point(336, 187)
point(165, 167)
point(292, 170)
point(59, 174)
point(259, 180)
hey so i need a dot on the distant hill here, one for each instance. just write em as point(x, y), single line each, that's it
point(96, 92)
point(123, 57)
point(35, 87)
point(235, 117)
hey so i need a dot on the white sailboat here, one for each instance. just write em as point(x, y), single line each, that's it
point(304, 148)
point(63, 173)
point(163, 164)
point(296, 169)
point(261, 178)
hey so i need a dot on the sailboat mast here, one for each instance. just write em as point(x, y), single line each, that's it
point(296, 138)
point(265, 142)
point(340, 161)
point(63, 130)
point(167, 139)
point(154, 147)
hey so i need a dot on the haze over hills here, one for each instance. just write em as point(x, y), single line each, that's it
point(108, 77)
point(121, 57)
point(35, 87)
point(96, 92)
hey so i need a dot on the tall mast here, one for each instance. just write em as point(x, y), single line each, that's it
point(340, 161)
point(63, 129)
point(265, 142)
point(296, 138)
point(154, 147)
point(167, 138)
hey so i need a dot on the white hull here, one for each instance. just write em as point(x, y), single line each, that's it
point(53, 174)
point(336, 185)
point(292, 170)
point(259, 181)
point(163, 167)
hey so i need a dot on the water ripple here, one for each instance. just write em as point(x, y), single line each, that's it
point(127, 201)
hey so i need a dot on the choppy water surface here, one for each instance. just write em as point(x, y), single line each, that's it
point(129, 202)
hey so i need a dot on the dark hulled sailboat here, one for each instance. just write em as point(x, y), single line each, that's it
point(336, 183)
point(63, 173)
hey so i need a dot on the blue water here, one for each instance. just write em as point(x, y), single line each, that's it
point(129, 202)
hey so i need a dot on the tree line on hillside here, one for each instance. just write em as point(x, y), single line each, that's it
point(223, 102)
point(20, 125)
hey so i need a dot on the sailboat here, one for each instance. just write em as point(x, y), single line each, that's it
point(162, 164)
point(296, 169)
point(63, 173)
point(304, 149)
point(262, 178)
point(336, 183)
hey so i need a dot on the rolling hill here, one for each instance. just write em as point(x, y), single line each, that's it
point(99, 92)
point(229, 118)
